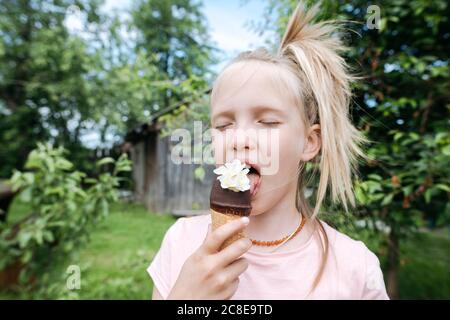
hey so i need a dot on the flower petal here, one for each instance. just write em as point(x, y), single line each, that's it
point(220, 170)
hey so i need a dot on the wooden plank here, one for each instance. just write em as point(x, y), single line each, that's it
point(166, 186)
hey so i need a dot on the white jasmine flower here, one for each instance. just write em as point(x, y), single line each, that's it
point(233, 176)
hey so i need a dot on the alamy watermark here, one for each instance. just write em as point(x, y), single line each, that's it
point(204, 146)
point(73, 281)
point(373, 21)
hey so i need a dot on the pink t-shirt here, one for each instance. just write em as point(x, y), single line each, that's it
point(352, 270)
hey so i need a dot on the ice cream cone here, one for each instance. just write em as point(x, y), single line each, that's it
point(218, 219)
point(230, 200)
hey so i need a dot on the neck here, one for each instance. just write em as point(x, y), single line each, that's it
point(278, 222)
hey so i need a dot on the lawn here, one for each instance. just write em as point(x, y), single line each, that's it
point(113, 264)
point(425, 267)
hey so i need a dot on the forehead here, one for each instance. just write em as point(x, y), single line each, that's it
point(252, 83)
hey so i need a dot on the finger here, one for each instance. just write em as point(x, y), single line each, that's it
point(233, 251)
point(231, 289)
point(235, 269)
point(215, 239)
point(208, 232)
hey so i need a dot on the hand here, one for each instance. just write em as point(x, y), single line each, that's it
point(212, 274)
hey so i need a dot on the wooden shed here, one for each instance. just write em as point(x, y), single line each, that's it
point(160, 184)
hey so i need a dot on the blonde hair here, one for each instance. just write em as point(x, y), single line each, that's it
point(311, 53)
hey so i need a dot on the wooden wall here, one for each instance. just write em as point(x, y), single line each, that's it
point(164, 186)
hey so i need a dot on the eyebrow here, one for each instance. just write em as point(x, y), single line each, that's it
point(257, 109)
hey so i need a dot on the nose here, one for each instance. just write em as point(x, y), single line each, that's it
point(243, 140)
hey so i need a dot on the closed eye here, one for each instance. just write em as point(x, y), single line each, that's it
point(270, 123)
point(267, 123)
point(221, 127)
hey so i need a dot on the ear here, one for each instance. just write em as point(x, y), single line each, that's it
point(312, 144)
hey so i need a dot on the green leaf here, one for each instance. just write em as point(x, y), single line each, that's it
point(26, 195)
point(382, 25)
point(64, 164)
point(387, 200)
point(104, 207)
point(24, 237)
point(33, 162)
point(104, 161)
point(68, 246)
point(446, 150)
point(407, 190)
point(199, 173)
point(375, 177)
point(48, 236)
point(39, 237)
point(398, 135)
point(27, 256)
point(360, 195)
point(373, 186)
point(428, 194)
point(90, 180)
point(442, 186)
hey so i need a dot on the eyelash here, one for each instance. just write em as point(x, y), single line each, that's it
point(221, 127)
point(269, 123)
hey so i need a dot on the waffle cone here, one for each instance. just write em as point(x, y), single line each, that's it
point(218, 219)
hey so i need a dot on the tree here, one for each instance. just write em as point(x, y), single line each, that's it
point(114, 73)
point(402, 104)
point(175, 34)
point(45, 90)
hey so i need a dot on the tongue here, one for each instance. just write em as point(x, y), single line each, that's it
point(254, 179)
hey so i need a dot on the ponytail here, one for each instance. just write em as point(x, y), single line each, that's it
point(315, 49)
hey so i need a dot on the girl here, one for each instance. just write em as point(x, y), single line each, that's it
point(303, 94)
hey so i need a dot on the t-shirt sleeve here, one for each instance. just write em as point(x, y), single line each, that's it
point(374, 287)
point(161, 266)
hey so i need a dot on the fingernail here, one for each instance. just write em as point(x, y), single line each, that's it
point(245, 220)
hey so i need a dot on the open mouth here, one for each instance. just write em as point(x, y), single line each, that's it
point(255, 179)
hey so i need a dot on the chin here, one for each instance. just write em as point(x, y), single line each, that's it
point(257, 208)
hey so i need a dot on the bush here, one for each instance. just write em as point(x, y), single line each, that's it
point(64, 205)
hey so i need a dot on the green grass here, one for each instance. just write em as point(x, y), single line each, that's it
point(113, 264)
point(115, 261)
point(425, 267)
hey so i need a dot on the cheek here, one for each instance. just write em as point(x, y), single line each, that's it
point(291, 146)
point(283, 150)
point(275, 186)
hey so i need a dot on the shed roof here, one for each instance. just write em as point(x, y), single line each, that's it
point(152, 125)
